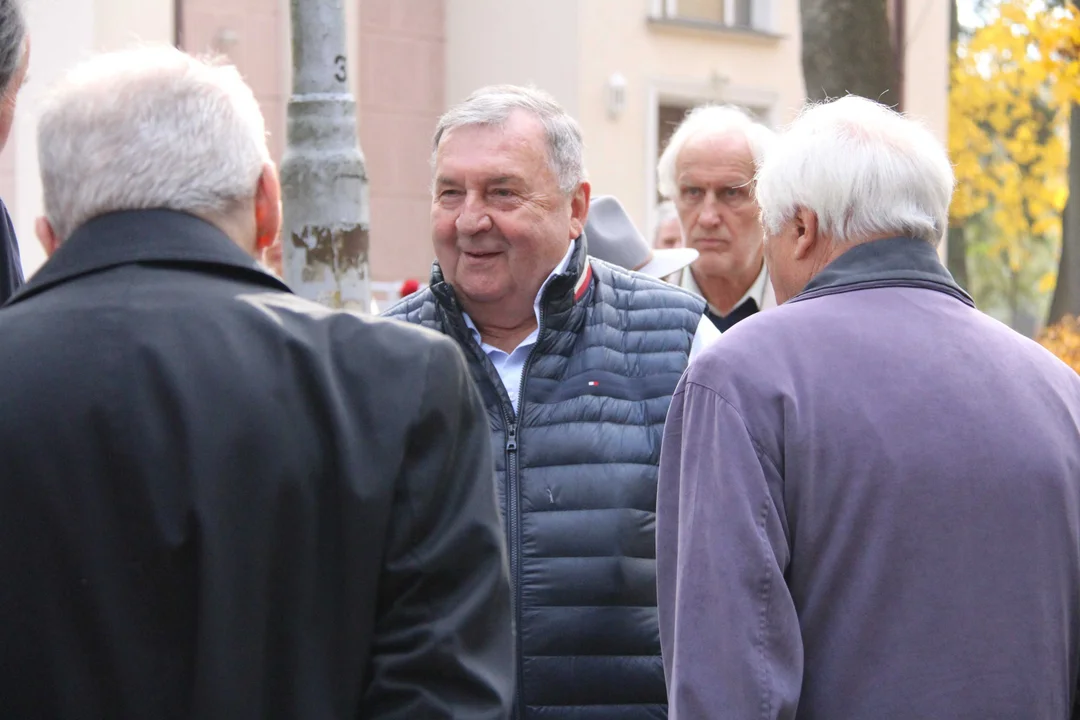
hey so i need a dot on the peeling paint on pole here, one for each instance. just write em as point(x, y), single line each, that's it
point(324, 183)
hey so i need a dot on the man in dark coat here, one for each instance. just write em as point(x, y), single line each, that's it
point(219, 500)
point(576, 360)
point(14, 60)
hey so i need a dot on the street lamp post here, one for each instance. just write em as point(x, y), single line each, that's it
point(324, 183)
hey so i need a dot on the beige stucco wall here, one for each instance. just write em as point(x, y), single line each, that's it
point(401, 94)
point(516, 41)
point(926, 68)
point(926, 65)
point(660, 63)
point(120, 23)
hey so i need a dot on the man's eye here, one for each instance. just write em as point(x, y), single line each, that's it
point(503, 193)
point(733, 192)
point(692, 192)
point(449, 193)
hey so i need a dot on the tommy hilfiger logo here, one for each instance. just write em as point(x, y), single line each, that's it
point(593, 383)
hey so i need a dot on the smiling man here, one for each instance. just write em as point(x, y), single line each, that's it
point(576, 360)
point(707, 170)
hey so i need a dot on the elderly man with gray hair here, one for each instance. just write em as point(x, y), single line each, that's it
point(14, 60)
point(219, 500)
point(576, 360)
point(870, 496)
point(707, 171)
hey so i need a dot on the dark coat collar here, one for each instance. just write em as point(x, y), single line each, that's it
point(892, 262)
point(145, 236)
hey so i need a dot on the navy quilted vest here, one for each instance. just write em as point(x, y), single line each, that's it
point(577, 481)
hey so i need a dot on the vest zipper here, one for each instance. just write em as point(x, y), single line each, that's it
point(513, 518)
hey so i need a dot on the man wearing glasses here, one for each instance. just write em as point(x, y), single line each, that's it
point(707, 170)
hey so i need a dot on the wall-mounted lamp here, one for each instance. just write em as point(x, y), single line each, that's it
point(616, 95)
point(718, 83)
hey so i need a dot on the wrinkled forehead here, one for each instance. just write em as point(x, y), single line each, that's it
point(716, 156)
point(517, 146)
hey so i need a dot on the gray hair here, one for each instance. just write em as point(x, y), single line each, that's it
point(713, 120)
point(492, 105)
point(149, 128)
point(12, 41)
point(665, 211)
point(863, 169)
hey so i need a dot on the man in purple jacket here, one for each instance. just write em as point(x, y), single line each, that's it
point(869, 502)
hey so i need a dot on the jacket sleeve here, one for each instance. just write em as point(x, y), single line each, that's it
point(443, 643)
point(728, 628)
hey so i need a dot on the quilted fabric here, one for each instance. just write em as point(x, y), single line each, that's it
point(577, 475)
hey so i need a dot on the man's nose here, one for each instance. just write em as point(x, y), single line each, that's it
point(473, 218)
point(710, 212)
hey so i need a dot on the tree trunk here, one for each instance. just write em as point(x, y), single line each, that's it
point(956, 255)
point(1067, 292)
point(956, 241)
point(848, 49)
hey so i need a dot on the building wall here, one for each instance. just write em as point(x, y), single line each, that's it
point(666, 63)
point(522, 42)
point(401, 94)
point(65, 32)
point(926, 63)
point(253, 34)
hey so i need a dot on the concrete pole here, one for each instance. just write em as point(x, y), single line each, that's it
point(324, 184)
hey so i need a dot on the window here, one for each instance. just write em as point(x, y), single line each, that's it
point(746, 14)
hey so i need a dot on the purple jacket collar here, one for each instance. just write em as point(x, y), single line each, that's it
point(892, 262)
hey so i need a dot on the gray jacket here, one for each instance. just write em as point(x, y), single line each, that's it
point(869, 509)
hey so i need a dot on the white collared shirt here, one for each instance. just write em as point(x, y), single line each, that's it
point(761, 291)
point(511, 366)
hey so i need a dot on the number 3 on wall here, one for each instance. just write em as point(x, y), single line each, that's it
point(339, 61)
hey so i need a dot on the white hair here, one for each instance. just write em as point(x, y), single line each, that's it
point(665, 212)
point(711, 120)
point(863, 169)
point(492, 105)
point(149, 128)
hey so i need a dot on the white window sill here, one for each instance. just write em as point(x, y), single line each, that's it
point(691, 25)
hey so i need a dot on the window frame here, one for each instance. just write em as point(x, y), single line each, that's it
point(761, 15)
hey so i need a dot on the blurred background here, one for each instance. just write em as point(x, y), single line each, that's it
point(996, 79)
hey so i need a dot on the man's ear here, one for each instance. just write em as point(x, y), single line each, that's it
point(579, 209)
point(807, 238)
point(46, 235)
point(267, 208)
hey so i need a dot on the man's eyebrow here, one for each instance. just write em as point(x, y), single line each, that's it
point(504, 180)
point(442, 180)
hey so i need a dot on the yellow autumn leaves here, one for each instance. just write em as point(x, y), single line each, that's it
point(1063, 339)
point(1013, 81)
